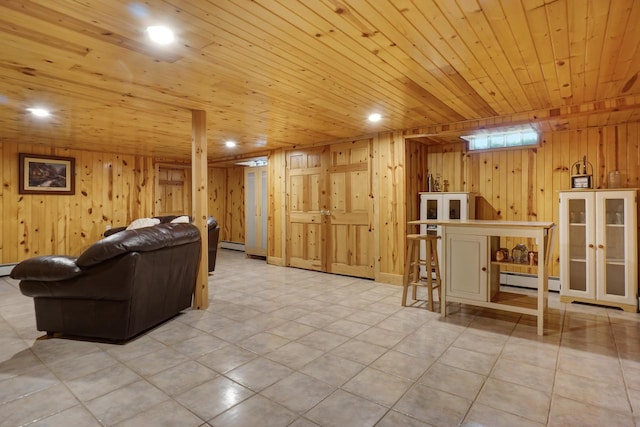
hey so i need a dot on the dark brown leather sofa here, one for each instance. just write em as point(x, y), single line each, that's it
point(119, 287)
point(213, 235)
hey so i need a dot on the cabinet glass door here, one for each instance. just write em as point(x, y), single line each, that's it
point(613, 246)
point(433, 208)
point(456, 206)
point(577, 245)
point(454, 209)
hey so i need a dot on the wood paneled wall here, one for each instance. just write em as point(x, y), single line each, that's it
point(416, 176)
point(217, 187)
point(523, 184)
point(276, 187)
point(110, 190)
point(511, 185)
point(390, 197)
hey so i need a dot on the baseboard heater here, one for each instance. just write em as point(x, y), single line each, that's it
point(5, 269)
point(527, 281)
point(232, 245)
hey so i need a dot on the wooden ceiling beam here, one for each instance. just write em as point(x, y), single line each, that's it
point(556, 115)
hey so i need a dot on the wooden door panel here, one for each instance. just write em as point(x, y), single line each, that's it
point(350, 241)
point(359, 199)
point(306, 246)
point(341, 218)
point(305, 220)
point(351, 253)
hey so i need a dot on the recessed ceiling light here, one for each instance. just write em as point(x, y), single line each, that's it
point(39, 112)
point(230, 143)
point(375, 117)
point(160, 34)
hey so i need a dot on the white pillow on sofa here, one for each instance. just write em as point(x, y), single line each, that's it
point(181, 219)
point(143, 222)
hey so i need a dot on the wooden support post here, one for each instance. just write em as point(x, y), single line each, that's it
point(199, 203)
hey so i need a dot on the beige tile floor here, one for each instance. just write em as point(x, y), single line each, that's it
point(288, 347)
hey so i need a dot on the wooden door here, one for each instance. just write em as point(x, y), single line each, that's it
point(349, 226)
point(330, 209)
point(306, 206)
point(255, 208)
point(173, 190)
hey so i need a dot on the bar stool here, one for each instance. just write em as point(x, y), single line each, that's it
point(412, 268)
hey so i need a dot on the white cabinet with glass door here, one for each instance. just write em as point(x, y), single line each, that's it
point(439, 206)
point(598, 247)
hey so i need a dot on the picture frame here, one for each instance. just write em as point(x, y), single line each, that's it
point(40, 174)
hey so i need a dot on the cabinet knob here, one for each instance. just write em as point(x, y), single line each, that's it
point(591, 245)
point(600, 246)
point(484, 268)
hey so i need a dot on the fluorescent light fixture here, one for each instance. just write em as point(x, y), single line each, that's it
point(513, 137)
point(375, 117)
point(253, 163)
point(39, 112)
point(230, 143)
point(160, 34)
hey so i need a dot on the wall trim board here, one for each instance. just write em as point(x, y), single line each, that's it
point(232, 245)
point(389, 278)
point(527, 281)
point(5, 269)
point(272, 260)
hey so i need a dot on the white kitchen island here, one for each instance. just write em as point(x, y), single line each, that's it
point(471, 273)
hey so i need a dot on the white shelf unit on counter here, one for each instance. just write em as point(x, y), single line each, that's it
point(470, 275)
point(598, 247)
point(442, 206)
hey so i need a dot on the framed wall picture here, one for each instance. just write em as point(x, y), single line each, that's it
point(46, 174)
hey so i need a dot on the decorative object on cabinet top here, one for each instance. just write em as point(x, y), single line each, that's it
point(582, 174)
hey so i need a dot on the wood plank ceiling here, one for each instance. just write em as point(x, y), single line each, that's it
point(279, 73)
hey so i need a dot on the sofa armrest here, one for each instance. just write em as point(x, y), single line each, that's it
point(113, 230)
point(49, 268)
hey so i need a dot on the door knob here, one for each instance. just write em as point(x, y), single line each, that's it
point(591, 245)
point(600, 246)
point(484, 268)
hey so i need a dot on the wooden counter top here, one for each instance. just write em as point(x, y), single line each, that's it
point(485, 223)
